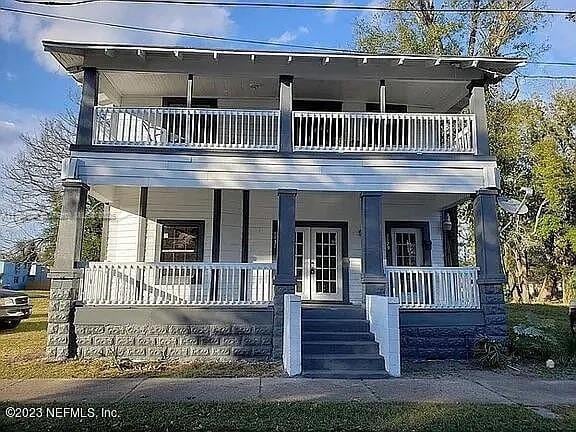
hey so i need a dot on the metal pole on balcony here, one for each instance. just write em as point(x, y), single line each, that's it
point(286, 138)
point(382, 95)
point(189, 94)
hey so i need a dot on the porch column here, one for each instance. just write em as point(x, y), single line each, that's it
point(65, 276)
point(382, 96)
point(142, 225)
point(450, 235)
point(87, 103)
point(286, 143)
point(189, 90)
point(488, 260)
point(285, 280)
point(373, 277)
point(477, 106)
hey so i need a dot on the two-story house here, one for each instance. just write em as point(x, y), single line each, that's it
point(231, 178)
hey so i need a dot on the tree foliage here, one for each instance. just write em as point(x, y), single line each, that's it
point(428, 30)
point(534, 140)
point(31, 194)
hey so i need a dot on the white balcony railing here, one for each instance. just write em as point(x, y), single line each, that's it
point(230, 129)
point(176, 284)
point(384, 132)
point(434, 287)
point(212, 129)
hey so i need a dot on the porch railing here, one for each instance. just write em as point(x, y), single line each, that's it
point(434, 287)
point(214, 129)
point(234, 129)
point(176, 283)
point(384, 132)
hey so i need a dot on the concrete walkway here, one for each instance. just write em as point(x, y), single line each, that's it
point(476, 388)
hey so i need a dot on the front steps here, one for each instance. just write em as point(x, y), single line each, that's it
point(337, 343)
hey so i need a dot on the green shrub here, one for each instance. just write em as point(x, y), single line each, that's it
point(532, 342)
point(539, 332)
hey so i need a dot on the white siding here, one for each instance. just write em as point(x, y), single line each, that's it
point(178, 204)
point(123, 226)
point(254, 104)
point(231, 226)
point(340, 207)
point(268, 172)
point(197, 204)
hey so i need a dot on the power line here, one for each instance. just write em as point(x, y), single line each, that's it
point(175, 32)
point(237, 40)
point(548, 77)
point(349, 7)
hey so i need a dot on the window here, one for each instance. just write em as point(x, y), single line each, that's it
point(407, 247)
point(182, 241)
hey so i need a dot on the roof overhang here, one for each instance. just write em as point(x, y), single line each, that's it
point(330, 65)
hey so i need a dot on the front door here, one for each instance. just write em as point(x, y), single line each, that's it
point(319, 263)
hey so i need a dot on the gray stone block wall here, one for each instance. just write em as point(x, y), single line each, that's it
point(60, 343)
point(440, 335)
point(183, 339)
point(494, 312)
point(174, 342)
point(438, 343)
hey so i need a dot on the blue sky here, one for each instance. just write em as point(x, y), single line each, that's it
point(31, 86)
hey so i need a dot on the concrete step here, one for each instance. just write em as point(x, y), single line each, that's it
point(333, 312)
point(345, 374)
point(333, 325)
point(336, 336)
point(372, 362)
point(339, 347)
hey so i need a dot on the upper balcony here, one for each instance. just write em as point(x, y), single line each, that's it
point(242, 129)
point(153, 99)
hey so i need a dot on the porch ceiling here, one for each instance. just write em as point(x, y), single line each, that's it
point(435, 96)
point(117, 196)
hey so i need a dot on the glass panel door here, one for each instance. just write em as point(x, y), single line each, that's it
point(318, 262)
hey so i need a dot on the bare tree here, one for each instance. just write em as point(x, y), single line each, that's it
point(31, 179)
point(31, 190)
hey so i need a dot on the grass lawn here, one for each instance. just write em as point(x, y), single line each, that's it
point(551, 340)
point(22, 353)
point(301, 416)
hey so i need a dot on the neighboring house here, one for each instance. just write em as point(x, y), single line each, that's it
point(231, 178)
point(18, 276)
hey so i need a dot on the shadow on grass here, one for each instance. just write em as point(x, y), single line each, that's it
point(28, 326)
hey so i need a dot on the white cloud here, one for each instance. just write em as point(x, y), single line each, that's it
point(330, 14)
point(290, 36)
point(31, 30)
point(15, 121)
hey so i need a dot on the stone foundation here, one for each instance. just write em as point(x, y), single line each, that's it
point(178, 333)
point(438, 343)
point(440, 335)
point(60, 343)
